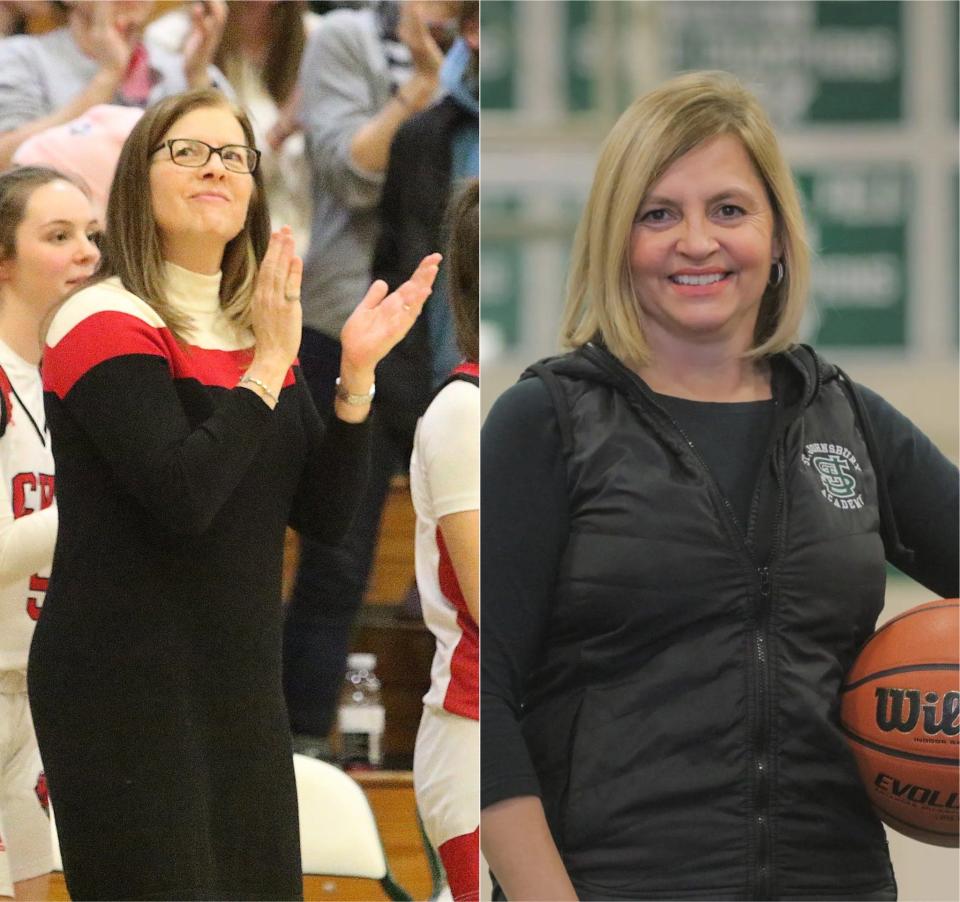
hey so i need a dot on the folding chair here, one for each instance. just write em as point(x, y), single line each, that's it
point(338, 833)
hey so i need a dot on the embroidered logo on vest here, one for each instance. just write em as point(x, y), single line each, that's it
point(835, 465)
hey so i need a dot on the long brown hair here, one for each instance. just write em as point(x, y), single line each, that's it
point(131, 246)
point(463, 267)
point(284, 49)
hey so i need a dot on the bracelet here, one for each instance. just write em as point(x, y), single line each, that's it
point(350, 398)
point(261, 385)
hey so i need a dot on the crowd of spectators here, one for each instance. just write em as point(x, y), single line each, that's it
point(367, 117)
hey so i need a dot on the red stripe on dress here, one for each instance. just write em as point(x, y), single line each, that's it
point(463, 692)
point(469, 367)
point(108, 334)
point(99, 337)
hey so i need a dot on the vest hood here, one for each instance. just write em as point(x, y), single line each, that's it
point(798, 374)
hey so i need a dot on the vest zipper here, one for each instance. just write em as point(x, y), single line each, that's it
point(760, 659)
point(761, 745)
point(764, 883)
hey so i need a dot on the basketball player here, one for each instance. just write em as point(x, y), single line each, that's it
point(47, 246)
point(445, 486)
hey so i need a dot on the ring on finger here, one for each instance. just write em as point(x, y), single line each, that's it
point(292, 297)
point(407, 308)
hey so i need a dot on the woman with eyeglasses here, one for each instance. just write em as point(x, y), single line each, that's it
point(48, 231)
point(185, 443)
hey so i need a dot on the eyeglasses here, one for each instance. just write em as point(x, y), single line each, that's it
point(193, 153)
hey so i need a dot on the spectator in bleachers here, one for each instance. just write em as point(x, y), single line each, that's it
point(431, 153)
point(365, 72)
point(88, 146)
point(260, 53)
point(99, 57)
point(20, 17)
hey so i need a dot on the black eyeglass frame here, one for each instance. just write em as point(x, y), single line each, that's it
point(210, 152)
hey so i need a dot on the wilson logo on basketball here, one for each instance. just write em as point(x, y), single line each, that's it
point(901, 709)
point(900, 712)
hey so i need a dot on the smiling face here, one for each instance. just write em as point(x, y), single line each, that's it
point(55, 249)
point(199, 208)
point(702, 246)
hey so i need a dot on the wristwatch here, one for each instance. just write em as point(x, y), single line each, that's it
point(352, 399)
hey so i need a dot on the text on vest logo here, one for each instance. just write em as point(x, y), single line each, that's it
point(835, 465)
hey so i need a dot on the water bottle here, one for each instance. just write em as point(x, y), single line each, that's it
point(361, 718)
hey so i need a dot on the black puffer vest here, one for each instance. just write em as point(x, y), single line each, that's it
point(684, 720)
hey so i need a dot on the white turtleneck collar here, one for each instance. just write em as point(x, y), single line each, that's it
point(198, 295)
point(192, 292)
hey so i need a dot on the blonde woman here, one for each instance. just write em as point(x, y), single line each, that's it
point(686, 524)
point(185, 443)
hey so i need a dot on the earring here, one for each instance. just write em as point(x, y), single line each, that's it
point(777, 273)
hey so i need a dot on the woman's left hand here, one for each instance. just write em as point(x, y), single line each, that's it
point(382, 319)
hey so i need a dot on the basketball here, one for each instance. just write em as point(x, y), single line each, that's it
point(900, 711)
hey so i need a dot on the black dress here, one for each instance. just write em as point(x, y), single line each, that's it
point(155, 668)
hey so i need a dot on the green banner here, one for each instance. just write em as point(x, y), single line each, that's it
point(580, 50)
point(819, 62)
point(501, 268)
point(498, 54)
point(858, 219)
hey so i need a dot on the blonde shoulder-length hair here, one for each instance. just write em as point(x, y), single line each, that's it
point(131, 247)
point(655, 131)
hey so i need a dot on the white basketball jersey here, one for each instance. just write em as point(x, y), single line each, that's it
point(28, 519)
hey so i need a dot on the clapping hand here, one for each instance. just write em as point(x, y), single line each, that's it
point(109, 36)
point(207, 19)
point(275, 308)
point(382, 319)
point(412, 31)
point(288, 120)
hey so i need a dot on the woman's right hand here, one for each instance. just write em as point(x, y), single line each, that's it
point(276, 312)
point(108, 38)
point(427, 56)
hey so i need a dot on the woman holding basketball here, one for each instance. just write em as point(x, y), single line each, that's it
point(48, 233)
point(185, 442)
point(686, 523)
